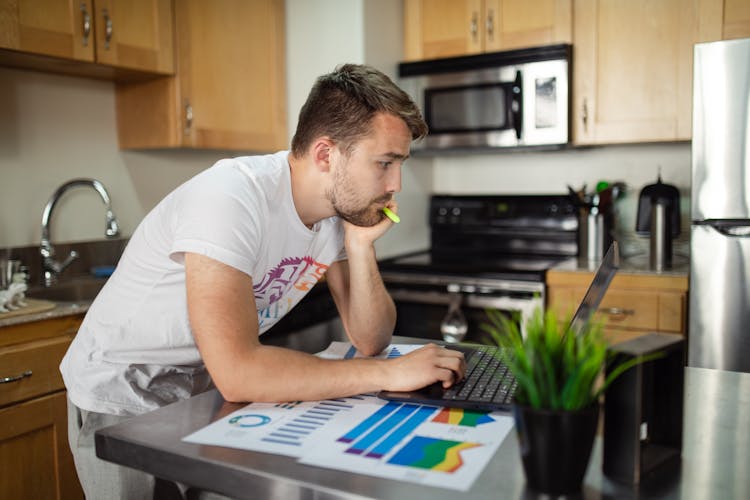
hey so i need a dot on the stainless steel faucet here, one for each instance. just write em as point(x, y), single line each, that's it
point(50, 267)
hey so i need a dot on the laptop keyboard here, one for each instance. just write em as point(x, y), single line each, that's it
point(488, 379)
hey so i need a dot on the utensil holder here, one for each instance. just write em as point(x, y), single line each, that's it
point(594, 236)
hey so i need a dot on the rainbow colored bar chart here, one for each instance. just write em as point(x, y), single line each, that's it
point(446, 447)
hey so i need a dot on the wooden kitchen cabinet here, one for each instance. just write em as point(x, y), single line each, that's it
point(735, 19)
point(633, 63)
point(229, 88)
point(446, 28)
point(134, 35)
point(633, 305)
point(35, 457)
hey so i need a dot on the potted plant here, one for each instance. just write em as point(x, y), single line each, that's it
point(556, 410)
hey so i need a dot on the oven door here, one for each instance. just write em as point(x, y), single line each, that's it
point(424, 310)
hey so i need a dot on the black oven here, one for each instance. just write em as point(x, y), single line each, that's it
point(487, 252)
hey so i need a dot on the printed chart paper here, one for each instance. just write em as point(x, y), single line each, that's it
point(282, 428)
point(445, 447)
point(436, 446)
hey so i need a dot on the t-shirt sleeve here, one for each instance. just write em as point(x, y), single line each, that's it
point(218, 215)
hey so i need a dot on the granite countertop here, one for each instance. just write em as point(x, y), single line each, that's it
point(61, 309)
point(637, 264)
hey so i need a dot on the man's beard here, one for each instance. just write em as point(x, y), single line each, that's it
point(345, 204)
point(366, 216)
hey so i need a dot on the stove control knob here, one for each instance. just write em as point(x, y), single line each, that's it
point(456, 211)
point(442, 211)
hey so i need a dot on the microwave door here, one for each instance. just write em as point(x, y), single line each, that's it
point(474, 114)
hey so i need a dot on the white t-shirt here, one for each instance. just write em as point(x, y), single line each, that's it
point(135, 350)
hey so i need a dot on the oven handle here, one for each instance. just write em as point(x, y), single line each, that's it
point(470, 300)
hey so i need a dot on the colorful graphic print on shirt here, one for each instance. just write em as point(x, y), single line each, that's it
point(300, 273)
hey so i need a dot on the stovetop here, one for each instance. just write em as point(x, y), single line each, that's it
point(507, 267)
point(494, 236)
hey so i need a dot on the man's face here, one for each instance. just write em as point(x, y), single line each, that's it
point(365, 180)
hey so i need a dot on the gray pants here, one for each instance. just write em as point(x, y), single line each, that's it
point(108, 481)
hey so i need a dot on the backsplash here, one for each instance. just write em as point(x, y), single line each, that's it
point(90, 254)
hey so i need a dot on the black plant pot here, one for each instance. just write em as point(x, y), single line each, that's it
point(555, 446)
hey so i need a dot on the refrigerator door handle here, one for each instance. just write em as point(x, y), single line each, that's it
point(738, 228)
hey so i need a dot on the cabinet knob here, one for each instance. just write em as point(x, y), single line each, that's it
point(85, 24)
point(474, 26)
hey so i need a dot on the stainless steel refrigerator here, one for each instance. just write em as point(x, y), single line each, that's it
point(719, 328)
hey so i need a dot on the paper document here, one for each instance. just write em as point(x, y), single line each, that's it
point(436, 446)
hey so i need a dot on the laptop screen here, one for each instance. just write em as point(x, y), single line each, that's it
point(604, 274)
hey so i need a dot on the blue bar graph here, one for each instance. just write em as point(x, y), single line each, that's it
point(382, 429)
point(369, 422)
point(387, 444)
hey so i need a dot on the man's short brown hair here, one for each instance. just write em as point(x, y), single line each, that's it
point(342, 104)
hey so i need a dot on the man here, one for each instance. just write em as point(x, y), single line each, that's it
point(225, 255)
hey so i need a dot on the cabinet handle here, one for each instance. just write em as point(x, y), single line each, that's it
point(474, 26)
point(7, 380)
point(585, 115)
point(617, 311)
point(188, 117)
point(86, 24)
point(491, 25)
point(108, 29)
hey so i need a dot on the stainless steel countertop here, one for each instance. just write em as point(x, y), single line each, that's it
point(715, 458)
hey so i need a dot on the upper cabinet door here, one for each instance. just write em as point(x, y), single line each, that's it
point(441, 28)
point(135, 34)
point(232, 73)
point(446, 28)
point(59, 28)
point(633, 68)
point(229, 91)
point(516, 24)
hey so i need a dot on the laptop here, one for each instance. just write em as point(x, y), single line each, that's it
point(489, 385)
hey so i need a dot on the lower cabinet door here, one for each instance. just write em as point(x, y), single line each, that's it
point(35, 458)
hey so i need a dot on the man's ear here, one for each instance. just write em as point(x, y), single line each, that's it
point(322, 150)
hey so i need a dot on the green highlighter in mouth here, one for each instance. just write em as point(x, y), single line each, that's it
point(389, 213)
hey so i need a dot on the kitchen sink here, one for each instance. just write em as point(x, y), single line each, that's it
point(75, 290)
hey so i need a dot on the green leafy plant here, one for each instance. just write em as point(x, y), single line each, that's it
point(555, 367)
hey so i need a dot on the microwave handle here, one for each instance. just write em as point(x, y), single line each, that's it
point(517, 104)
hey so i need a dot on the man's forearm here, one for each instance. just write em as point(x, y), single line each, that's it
point(371, 313)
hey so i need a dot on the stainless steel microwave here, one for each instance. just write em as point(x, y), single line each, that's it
point(518, 98)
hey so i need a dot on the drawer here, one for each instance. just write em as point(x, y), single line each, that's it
point(31, 369)
point(644, 310)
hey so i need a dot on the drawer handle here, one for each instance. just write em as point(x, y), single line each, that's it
point(8, 380)
point(617, 311)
